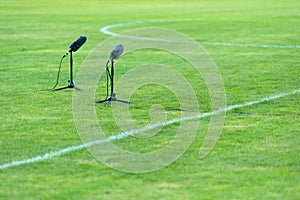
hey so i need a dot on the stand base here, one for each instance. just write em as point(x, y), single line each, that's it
point(111, 98)
point(70, 85)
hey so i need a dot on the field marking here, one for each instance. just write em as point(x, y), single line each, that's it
point(145, 128)
point(106, 30)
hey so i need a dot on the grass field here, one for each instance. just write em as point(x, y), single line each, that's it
point(255, 46)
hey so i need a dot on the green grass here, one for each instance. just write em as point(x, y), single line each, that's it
point(257, 155)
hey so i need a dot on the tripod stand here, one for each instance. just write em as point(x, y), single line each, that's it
point(70, 82)
point(112, 96)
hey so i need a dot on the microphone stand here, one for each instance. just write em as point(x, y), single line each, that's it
point(70, 82)
point(112, 96)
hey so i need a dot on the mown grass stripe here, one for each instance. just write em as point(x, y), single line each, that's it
point(106, 30)
point(145, 128)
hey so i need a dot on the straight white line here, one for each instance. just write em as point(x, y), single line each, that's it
point(145, 128)
point(106, 30)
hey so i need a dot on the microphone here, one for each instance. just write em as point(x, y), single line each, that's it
point(116, 52)
point(76, 44)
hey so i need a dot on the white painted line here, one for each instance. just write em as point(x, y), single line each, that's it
point(145, 128)
point(106, 30)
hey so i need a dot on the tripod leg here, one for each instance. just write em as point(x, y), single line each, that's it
point(102, 101)
point(123, 101)
point(62, 88)
point(77, 88)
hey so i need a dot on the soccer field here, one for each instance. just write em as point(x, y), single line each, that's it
point(46, 140)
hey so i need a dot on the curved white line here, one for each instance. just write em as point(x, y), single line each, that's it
point(106, 30)
point(145, 128)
